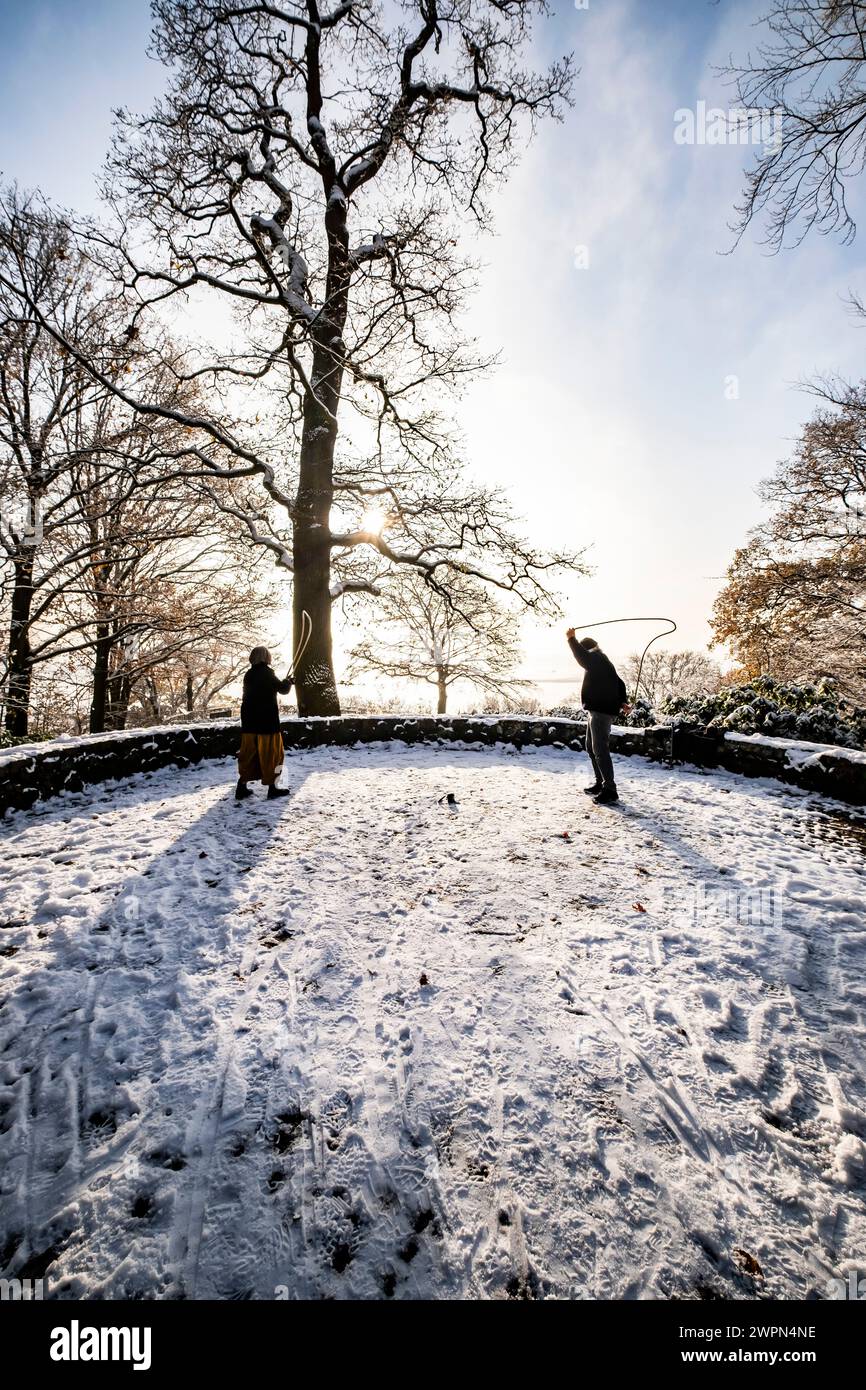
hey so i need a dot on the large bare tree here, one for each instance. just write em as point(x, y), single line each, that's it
point(312, 171)
point(44, 394)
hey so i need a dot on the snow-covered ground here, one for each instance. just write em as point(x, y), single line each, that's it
point(361, 1043)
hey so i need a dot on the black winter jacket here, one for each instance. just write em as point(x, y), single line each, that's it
point(603, 691)
point(259, 711)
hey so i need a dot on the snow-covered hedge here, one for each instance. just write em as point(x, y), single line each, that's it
point(640, 716)
point(779, 709)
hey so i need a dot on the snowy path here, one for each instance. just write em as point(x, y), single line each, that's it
point(360, 1044)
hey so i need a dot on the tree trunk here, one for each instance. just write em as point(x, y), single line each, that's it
point(316, 684)
point(20, 670)
point(99, 693)
point(105, 640)
point(443, 690)
point(190, 700)
point(117, 706)
point(153, 698)
point(315, 681)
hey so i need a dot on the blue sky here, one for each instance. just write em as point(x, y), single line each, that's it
point(612, 397)
point(64, 64)
point(608, 419)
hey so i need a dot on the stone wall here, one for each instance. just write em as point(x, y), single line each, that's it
point(39, 771)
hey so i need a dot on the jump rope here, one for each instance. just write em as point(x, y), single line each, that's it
point(307, 632)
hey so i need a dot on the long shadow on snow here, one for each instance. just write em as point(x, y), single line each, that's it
point(124, 989)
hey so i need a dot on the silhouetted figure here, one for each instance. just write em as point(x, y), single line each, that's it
point(261, 755)
point(603, 695)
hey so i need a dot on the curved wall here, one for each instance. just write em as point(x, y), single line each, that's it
point(32, 773)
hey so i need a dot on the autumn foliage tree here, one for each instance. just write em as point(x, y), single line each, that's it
point(794, 604)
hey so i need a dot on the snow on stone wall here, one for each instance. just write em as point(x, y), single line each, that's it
point(35, 771)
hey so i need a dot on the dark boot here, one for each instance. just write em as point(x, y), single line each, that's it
point(593, 790)
point(242, 791)
point(274, 791)
point(607, 795)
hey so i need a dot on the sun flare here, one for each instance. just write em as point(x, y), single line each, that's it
point(374, 520)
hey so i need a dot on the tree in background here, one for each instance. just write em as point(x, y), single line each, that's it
point(309, 169)
point(794, 604)
point(45, 398)
point(117, 556)
point(439, 638)
point(665, 674)
point(811, 72)
point(188, 684)
point(166, 577)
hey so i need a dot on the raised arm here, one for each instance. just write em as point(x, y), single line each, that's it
point(577, 651)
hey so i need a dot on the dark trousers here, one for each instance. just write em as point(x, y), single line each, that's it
point(598, 746)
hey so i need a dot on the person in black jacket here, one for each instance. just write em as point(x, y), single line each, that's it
point(603, 695)
point(261, 755)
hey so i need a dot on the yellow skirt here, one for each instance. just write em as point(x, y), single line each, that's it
point(260, 758)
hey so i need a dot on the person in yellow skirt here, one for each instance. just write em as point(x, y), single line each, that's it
point(261, 755)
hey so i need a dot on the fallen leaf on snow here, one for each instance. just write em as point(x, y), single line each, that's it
point(747, 1263)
